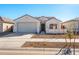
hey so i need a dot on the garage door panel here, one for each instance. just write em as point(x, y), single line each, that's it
point(27, 27)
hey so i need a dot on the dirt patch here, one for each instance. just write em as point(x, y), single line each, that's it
point(52, 36)
point(48, 44)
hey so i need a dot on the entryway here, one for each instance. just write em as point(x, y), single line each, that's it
point(42, 30)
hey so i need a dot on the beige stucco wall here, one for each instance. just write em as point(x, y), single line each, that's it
point(6, 24)
point(43, 19)
point(1, 27)
point(54, 31)
point(15, 27)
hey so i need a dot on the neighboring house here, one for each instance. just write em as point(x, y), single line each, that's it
point(6, 24)
point(29, 24)
point(72, 25)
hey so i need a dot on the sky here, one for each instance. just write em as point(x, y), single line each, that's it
point(62, 12)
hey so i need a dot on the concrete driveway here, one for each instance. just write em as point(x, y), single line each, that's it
point(5, 33)
point(18, 35)
point(14, 40)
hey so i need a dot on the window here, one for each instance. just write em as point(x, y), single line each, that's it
point(53, 26)
point(7, 27)
point(62, 27)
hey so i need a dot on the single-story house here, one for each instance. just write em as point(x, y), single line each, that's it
point(6, 24)
point(72, 25)
point(29, 24)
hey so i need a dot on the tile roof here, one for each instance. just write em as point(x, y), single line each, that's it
point(38, 18)
point(75, 20)
point(6, 20)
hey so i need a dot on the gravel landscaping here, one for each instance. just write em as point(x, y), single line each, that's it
point(59, 36)
point(49, 44)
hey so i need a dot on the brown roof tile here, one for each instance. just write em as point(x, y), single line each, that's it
point(6, 20)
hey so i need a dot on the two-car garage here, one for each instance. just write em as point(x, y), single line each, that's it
point(28, 27)
point(27, 24)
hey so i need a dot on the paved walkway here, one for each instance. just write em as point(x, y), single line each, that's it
point(18, 35)
point(31, 51)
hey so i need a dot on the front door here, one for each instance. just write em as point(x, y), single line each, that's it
point(42, 27)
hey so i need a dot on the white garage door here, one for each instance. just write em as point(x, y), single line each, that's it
point(27, 27)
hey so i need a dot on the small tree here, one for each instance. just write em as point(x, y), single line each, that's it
point(71, 35)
